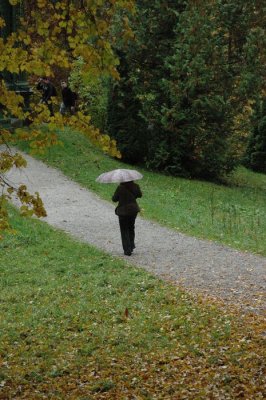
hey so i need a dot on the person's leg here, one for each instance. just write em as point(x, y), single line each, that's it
point(124, 229)
point(131, 226)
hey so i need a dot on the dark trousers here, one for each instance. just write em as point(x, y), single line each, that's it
point(127, 229)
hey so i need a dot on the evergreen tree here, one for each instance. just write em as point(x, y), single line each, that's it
point(188, 83)
point(123, 120)
point(135, 101)
point(256, 150)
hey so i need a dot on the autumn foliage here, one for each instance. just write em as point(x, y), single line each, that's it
point(52, 36)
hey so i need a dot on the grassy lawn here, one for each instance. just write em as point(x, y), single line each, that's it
point(234, 214)
point(76, 323)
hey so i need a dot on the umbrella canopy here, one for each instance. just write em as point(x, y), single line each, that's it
point(119, 175)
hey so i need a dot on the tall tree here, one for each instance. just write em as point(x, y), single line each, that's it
point(205, 69)
point(214, 81)
point(255, 157)
point(135, 101)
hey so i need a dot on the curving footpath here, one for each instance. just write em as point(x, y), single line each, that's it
point(201, 265)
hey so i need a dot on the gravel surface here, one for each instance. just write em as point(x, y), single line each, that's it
point(201, 265)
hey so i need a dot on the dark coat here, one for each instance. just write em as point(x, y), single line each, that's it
point(126, 194)
point(69, 97)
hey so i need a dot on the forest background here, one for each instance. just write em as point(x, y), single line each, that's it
point(177, 86)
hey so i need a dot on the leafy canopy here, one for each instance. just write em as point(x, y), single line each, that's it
point(51, 38)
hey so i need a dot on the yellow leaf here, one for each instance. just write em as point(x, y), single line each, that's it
point(2, 23)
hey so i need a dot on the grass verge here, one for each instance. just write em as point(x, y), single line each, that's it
point(234, 215)
point(76, 323)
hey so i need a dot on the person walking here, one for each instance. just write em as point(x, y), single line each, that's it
point(127, 210)
point(69, 99)
point(48, 91)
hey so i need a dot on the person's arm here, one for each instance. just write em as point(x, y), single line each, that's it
point(138, 192)
point(74, 96)
point(115, 197)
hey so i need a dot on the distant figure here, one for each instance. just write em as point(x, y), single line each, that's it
point(48, 91)
point(69, 99)
point(127, 210)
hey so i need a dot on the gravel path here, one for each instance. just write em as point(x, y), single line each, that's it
point(200, 265)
